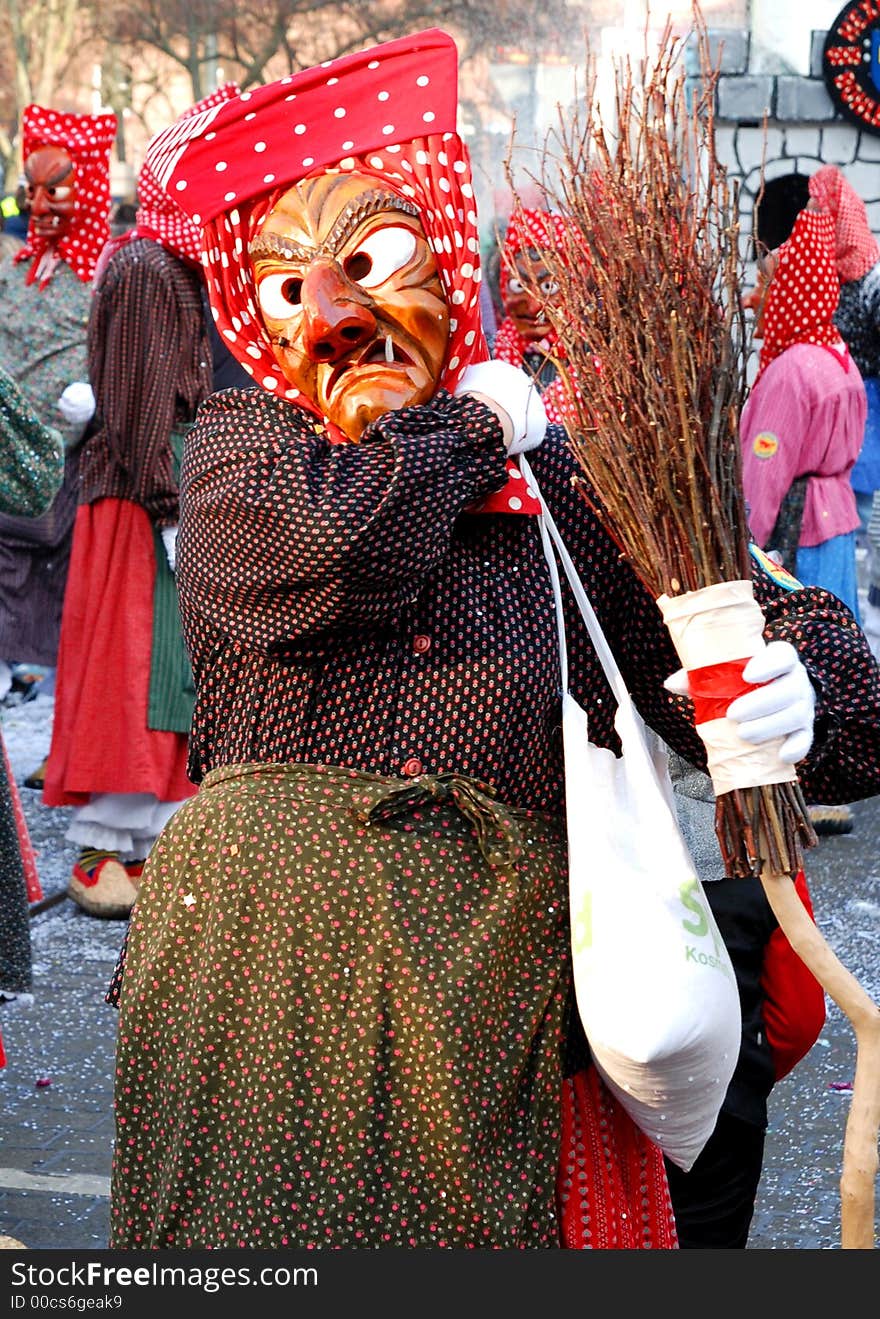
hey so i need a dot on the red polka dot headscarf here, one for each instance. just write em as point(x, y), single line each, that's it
point(541, 230)
point(88, 138)
point(389, 113)
point(159, 216)
point(855, 248)
point(804, 291)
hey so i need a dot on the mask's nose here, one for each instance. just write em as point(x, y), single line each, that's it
point(39, 202)
point(335, 320)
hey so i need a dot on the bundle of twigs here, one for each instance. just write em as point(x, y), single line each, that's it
point(652, 358)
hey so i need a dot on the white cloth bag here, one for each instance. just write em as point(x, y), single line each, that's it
point(655, 985)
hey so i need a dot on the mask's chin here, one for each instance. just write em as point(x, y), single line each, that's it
point(365, 393)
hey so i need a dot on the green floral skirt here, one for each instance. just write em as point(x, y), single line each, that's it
point(341, 1018)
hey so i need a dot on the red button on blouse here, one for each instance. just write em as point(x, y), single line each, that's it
point(411, 767)
point(421, 644)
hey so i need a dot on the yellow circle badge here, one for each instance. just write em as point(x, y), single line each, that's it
point(765, 445)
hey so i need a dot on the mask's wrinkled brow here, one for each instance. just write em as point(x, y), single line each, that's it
point(357, 210)
point(63, 171)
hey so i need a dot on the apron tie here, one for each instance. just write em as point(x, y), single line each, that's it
point(498, 834)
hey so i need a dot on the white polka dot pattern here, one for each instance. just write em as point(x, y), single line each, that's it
point(88, 138)
point(336, 106)
point(215, 178)
point(856, 249)
point(159, 216)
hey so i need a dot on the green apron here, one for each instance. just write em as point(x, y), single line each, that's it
point(172, 689)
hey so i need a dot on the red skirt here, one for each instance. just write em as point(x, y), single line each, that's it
point(611, 1187)
point(100, 738)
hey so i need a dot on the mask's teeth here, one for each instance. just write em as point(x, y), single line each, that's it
point(389, 349)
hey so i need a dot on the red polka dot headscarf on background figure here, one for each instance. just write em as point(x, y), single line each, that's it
point(804, 291)
point(159, 216)
point(541, 230)
point(529, 228)
point(88, 139)
point(856, 249)
point(388, 112)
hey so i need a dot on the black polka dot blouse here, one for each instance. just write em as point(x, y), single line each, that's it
point(344, 605)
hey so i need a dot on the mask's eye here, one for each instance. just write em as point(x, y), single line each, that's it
point(380, 255)
point(59, 194)
point(548, 287)
point(279, 296)
point(515, 285)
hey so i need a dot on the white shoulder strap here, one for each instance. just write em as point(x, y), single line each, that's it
point(550, 533)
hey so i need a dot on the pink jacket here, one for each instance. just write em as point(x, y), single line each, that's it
point(806, 414)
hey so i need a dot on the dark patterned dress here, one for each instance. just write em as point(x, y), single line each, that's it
point(150, 367)
point(43, 348)
point(858, 319)
point(31, 469)
point(345, 1018)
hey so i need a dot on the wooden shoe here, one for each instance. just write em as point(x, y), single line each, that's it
point(134, 870)
point(37, 777)
point(100, 884)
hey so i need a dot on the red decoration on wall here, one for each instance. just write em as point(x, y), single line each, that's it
point(851, 63)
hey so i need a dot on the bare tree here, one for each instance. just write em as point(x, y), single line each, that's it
point(158, 53)
point(41, 54)
point(264, 39)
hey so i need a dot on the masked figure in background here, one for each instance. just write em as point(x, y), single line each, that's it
point(124, 694)
point(525, 336)
point(857, 257)
point(802, 423)
point(45, 295)
point(346, 1012)
point(802, 426)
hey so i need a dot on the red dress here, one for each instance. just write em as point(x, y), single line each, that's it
point(100, 738)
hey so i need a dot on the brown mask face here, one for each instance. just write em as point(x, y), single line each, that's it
point(350, 295)
point(521, 304)
point(50, 176)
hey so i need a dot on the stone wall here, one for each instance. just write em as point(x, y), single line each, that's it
point(804, 129)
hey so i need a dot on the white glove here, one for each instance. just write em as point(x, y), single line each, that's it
point(169, 540)
point(513, 392)
point(77, 403)
point(784, 707)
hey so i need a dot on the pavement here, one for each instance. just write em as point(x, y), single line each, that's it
point(56, 1122)
point(56, 1118)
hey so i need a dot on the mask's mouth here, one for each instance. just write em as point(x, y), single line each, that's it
point(381, 352)
point(533, 327)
